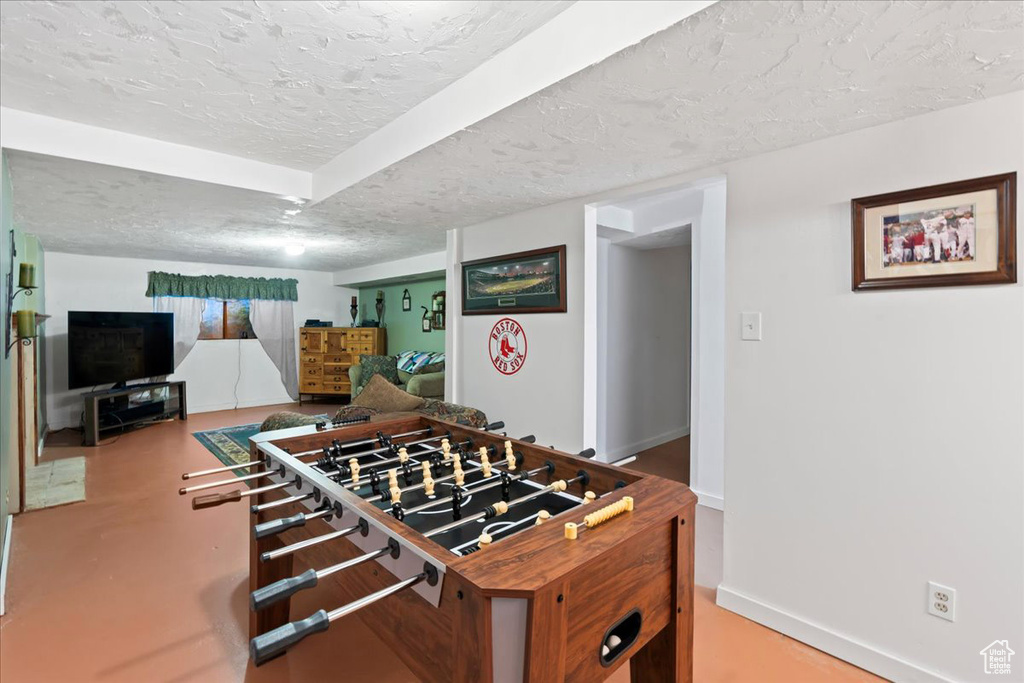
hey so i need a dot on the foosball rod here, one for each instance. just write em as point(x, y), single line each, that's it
point(352, 485)
point(502, 507)
point(268, 645)
point(280, 501)
point(338, 445)
point(215, 499)
point(488, 483)
point(282, 524)
point(222, 482)
point(285, 588)
point(306, 543)
point(373, 451)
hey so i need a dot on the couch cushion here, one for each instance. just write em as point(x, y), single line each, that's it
point(451, 412)
point(386, 397)
point(429, 369)
point(377, 365)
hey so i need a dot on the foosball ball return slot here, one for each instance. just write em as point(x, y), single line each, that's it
point(509, 561)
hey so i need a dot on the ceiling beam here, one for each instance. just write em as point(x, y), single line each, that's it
point(411, 268)
point(584, 34)
point(56, 137)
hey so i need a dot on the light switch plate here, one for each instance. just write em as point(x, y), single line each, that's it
point(751, 326)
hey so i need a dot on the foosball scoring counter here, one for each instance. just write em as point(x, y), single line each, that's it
point(475, 557)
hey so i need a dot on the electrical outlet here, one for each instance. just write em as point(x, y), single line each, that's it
point(942, 601)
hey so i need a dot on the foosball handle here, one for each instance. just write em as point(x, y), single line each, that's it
point(494, 426)
point(266, 646)
point(215, 499)
point(529, 438)
point(276, 526)
point(588, 453)
point(279, 590)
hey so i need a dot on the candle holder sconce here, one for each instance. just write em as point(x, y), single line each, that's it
point(26, 319)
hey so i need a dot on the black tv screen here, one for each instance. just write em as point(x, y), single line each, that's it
point(110, 347)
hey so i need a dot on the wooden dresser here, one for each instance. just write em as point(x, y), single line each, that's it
point(326, 353)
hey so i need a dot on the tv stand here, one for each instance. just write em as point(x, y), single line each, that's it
point(122, 407)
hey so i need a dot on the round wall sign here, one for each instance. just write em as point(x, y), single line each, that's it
point(507, 346)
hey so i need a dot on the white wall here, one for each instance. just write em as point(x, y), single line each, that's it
point(644, 347)
point(544, 397)
point(838, 514)
point(90, 283)
point(850, 485)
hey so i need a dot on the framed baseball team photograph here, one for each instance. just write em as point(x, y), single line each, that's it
point(524, 282)
point(954, 234)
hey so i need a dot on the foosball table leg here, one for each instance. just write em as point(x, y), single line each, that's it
point(668, 657)
point(264, 574)
point(547, 634)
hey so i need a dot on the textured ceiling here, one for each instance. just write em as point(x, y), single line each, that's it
point(738, 79)
point(84, 208)
point(290, 83)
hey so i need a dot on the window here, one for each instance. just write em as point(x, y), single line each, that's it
point(226, 320)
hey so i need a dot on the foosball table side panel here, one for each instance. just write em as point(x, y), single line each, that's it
point(416, 631)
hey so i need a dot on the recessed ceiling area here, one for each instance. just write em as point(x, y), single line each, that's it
point(289, 83)
point(732, 81)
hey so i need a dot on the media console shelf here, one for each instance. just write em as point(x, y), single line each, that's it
point(126, 406)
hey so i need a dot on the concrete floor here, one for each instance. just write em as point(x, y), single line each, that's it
point(132, 585)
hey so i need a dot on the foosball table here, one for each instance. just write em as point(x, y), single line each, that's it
point(474, 556)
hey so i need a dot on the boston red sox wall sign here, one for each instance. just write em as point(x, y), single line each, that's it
point(507, 345)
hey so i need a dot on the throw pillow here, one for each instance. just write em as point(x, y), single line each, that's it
point(386, 397)
point(408, 361)
point(427, 369)
point(377, 365)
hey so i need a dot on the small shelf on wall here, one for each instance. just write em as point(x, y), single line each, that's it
point(437, 310)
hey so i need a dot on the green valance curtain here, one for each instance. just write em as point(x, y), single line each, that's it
point(222, 287)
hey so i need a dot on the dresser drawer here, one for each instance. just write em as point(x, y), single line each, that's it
point(364, 348)
point(337, 387)
point(310, 386)
point(309, 371)
point(362, 335)
point(338, 358)
point(339, 370)
point(311, 359)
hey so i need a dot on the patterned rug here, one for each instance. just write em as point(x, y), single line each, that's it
point(231, 444)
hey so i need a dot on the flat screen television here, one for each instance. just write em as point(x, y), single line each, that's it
point(113, 348)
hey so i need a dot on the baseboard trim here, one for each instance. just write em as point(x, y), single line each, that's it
point(634, 448)
point(5, 561)
point(709, 500)
point(817, 636)
point(211, 407)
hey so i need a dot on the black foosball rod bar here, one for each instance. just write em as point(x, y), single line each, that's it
point(502, 507)
point(268, 645)
point(473, 467)
point(285, 588)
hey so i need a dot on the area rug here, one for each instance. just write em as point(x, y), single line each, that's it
point(231, 444)
point(53, 483)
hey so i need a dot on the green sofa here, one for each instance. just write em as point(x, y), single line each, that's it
point(428, 385)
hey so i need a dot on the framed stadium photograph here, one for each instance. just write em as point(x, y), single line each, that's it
point(525, 282)
point(949, 235)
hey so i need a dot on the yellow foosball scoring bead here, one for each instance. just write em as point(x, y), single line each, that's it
point(589, 497)
point(510, 457)
point(353, 466)
point(428, 486)
point(570, 531)
point(542, 517)
point(485, 462)
point(403, 455)
point(484, 540)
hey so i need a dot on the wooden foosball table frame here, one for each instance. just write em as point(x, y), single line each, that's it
point(535, 606)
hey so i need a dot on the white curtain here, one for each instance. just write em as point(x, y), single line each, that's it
point(188, 314)
point(274, 327)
